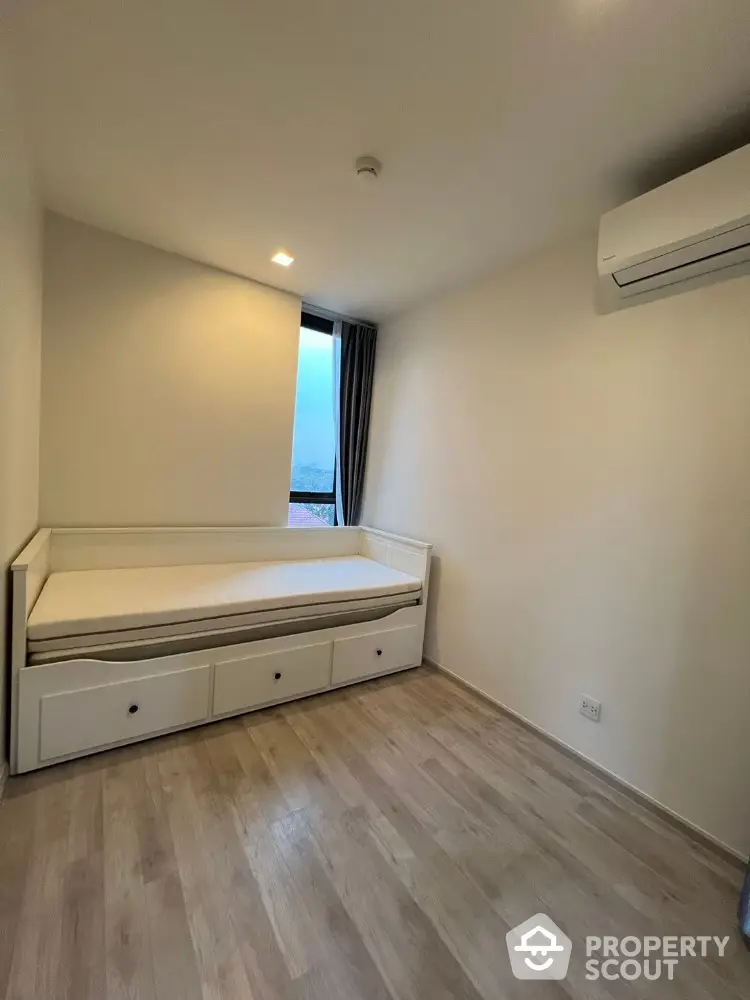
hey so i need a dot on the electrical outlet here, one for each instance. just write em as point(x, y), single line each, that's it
point(590, 707)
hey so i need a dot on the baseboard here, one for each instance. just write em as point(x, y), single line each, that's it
point(3, 777)
point(693, 832)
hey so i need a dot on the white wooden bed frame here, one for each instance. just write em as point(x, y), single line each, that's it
point(70, 708)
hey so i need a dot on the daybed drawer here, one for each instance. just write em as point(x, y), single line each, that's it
point(378, 653)
point(75, 721)
point(265, 677)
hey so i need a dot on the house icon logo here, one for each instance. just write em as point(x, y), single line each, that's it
point(538, 949)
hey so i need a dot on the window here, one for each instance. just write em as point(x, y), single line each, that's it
point(312, 499)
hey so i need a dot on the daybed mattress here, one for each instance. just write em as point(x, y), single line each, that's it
point(90, 608)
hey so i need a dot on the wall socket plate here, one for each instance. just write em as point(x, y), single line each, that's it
point(590, 707)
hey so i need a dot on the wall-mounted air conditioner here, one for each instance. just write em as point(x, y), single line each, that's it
point(689, 228)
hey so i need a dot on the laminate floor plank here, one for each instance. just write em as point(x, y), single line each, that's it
point(198, 834)
point(127, 942)
point(373, 843)
point(17, 825)
point(82, 963)
point(39, 969)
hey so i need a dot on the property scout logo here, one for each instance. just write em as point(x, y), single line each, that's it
point(538, 949)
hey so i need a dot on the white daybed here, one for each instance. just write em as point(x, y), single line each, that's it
point(121, 634)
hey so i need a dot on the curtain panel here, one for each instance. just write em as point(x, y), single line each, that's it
point(355, 351)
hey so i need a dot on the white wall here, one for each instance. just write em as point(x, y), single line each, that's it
point(20, 340)
point(586, 480)
point(167, 387)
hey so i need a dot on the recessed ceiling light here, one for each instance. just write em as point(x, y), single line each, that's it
point(283, 258)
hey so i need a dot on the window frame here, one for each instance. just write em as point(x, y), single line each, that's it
point(318, 323)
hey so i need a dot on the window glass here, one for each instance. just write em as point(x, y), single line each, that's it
point(311, 515)
point(314, 449)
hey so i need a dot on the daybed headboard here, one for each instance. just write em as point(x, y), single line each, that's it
point(405, 554)
point(28, 574)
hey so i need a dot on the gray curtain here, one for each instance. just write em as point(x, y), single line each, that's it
point(356, 369)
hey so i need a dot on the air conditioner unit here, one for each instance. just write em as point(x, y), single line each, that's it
point(691, 227)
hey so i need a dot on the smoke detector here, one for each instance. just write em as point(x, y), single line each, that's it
point(368, 168)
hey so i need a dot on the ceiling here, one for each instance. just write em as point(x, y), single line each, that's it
point(225, 129)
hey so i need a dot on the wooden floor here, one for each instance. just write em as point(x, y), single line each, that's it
point(373, 843)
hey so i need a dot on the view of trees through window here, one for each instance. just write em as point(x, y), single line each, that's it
point(314, 450)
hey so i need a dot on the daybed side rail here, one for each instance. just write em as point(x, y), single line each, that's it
point(121, 548)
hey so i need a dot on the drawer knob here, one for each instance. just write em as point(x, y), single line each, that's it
point(379, 652)
point(133, 709)
point(277, 676)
